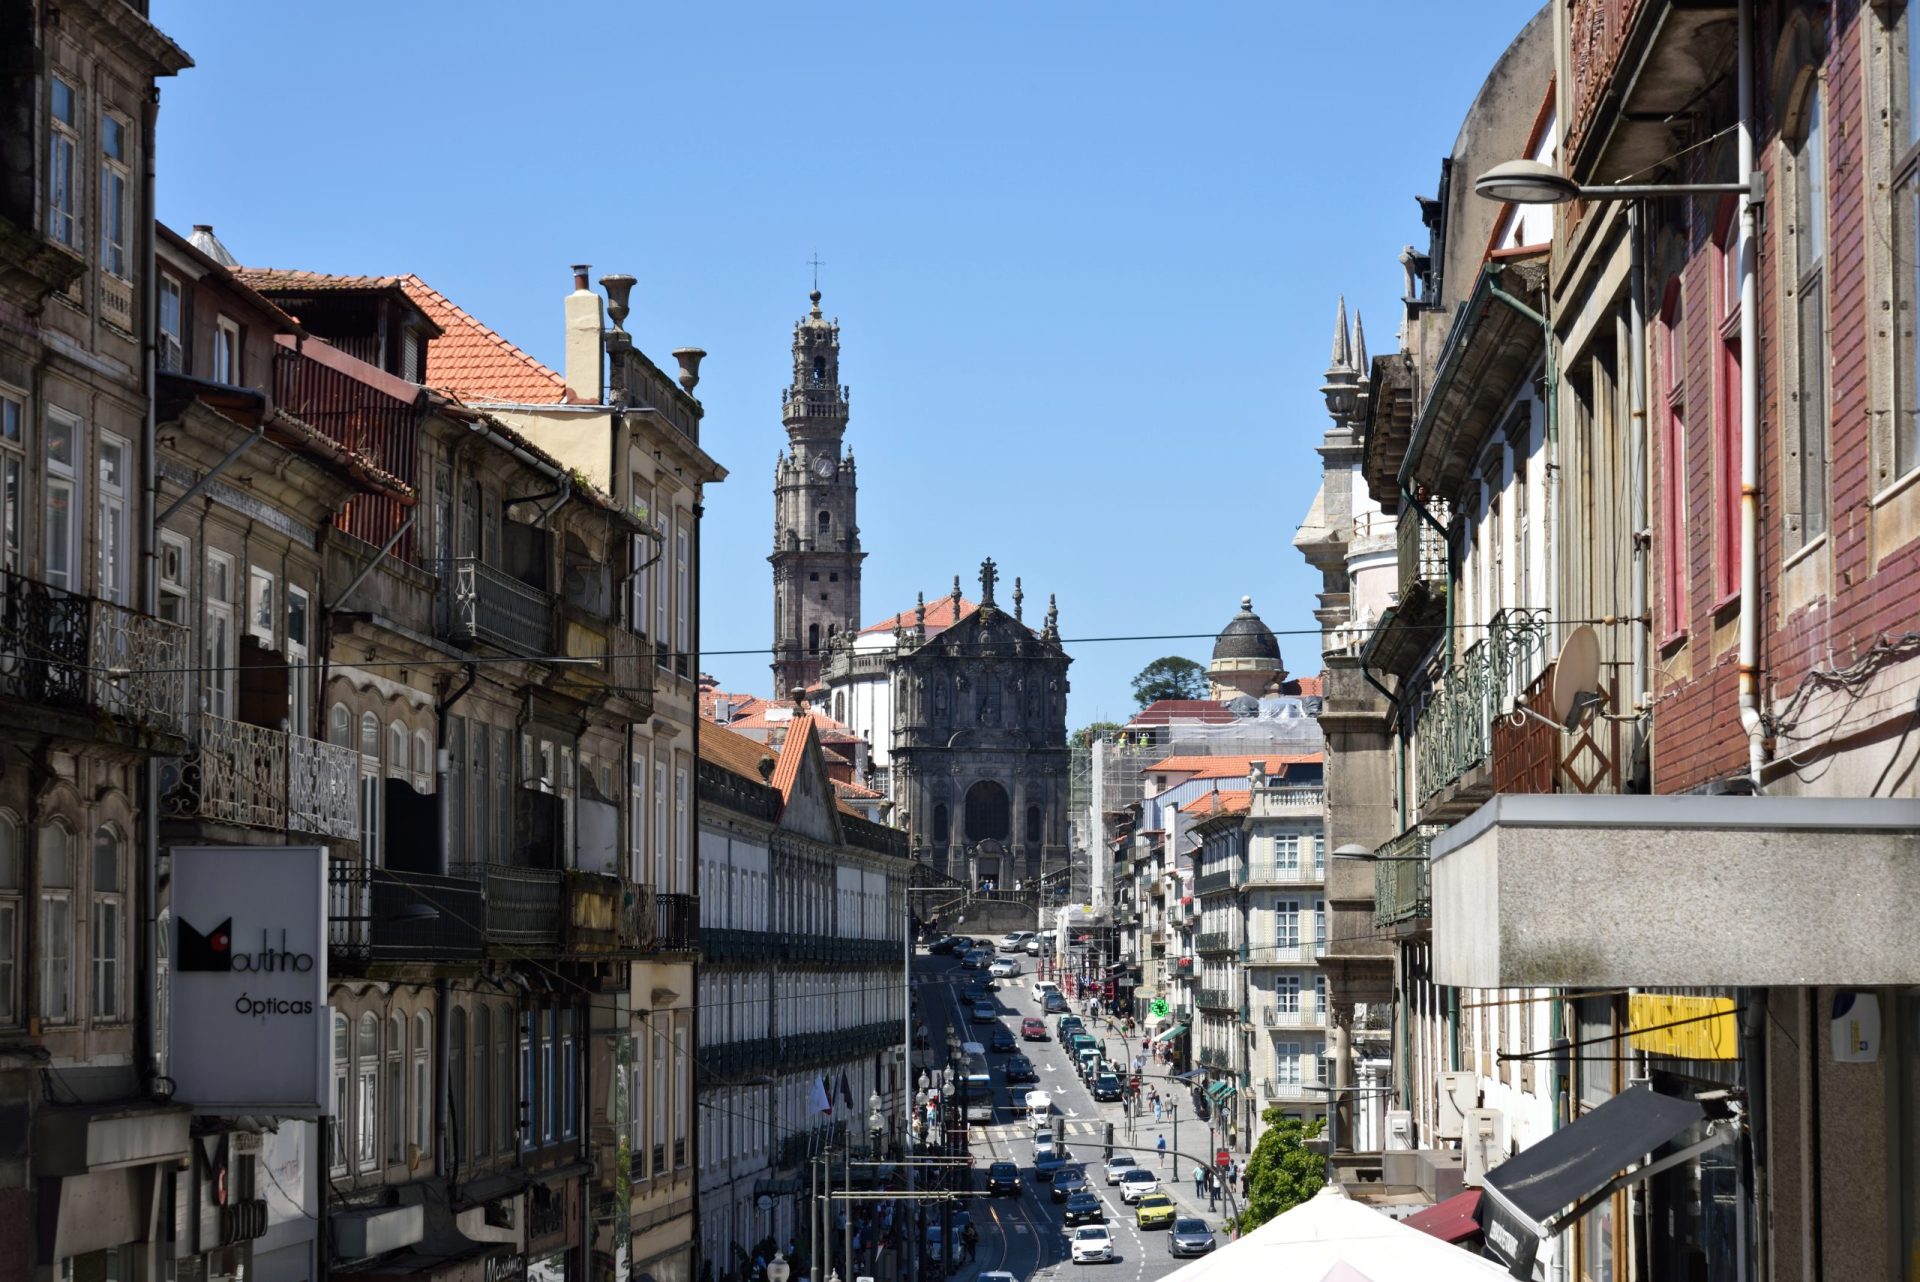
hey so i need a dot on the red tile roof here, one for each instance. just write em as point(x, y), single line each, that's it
point(476, 362)
point(1161, 711)
point(1229, 767)
point(734, 752)
point(1219, 803)
point(792, 753)
point(1310, 687)
point(940, 616)
point(857, 790)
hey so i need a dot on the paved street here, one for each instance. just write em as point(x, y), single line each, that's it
point(1025, 1235)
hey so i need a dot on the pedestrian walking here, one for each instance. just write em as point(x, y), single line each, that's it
point(1213, 1193)
point(1198, 1175)
point(1156, 1110)
point(1162, 1146)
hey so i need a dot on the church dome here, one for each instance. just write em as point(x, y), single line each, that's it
point(1246, 638)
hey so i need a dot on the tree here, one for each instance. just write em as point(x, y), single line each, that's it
point(1171, 677)
point(1080, 739)
point(1283, 1172)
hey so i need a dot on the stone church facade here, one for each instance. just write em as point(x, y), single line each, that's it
point(963, 705)
point(816, 543)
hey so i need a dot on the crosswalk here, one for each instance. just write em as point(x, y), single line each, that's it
point(1024, 1131)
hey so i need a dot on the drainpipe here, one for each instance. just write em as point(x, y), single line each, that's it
point(147, 1041)
point(1750, 717)
point(1637, 470)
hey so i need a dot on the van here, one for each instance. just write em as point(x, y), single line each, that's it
point(1039, 1109)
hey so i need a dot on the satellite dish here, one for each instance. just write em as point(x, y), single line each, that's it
point(1576, 677)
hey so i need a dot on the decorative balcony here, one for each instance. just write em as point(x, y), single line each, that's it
point(1274, 801)
point(676, 924)
point(1402, 886)
point(1301, 872)
point(1278, 1090)
point(387, 915)
point(73, 653)
point(1422, 549)
point(1214, 1057)
point(523, 908)
point(1214, 883)
point(259, 777)
point(1454, 731)
point(1290, 952)
point(1214, 999)
point(1272, 1015)
point(1213, 941)
point(489, 605)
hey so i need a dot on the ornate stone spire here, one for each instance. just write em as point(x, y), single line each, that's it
point(1359, 346)
point(1341, 389)
point(919, 616)
point(989, 575)
point(956, 598)
point(1342, 345)
point(1052, 630)
point(1018, 597)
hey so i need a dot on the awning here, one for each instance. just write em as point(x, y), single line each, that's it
point(1534, 1194)
point(1220, 1092)
point(1452, 1220)
point(1170, 1034)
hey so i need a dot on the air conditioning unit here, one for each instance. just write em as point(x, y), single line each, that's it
point(1484, 1145)
point(1399, 1130)
point(1457, 1092)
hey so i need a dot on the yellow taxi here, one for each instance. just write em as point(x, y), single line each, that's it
point(1155, 1211)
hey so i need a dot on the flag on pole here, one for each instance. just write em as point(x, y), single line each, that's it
point(846, 1093)
point(822, 1102)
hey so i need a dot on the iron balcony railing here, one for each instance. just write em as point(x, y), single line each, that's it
point(1423, 549)
point(388, 915)
point(1272, 1089)
point(258, 777)
point(1402, 885)
point(1213, 1057)
point(1214, 999)
point(1304, 1015)
point(1454, 731)
point(1213, 883)
point(523, 906)
point(1213, 941)
point(1299, 873)
point(491, 605)
point(1289, 952)
point(75, 653)
point(676, 923)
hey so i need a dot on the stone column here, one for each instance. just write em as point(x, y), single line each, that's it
point(1340, 1042)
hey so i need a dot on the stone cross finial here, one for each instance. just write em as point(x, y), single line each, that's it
point(1018, 597)
point(956, 598)
point(1053, 617)
point(989, 575)
point(920, 615)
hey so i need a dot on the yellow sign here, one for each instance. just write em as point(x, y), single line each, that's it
point(1710, 1030)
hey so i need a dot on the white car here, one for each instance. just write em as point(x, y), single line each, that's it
point(1136, 1184)
point(1033, 946)
point(1042, 987)
point(1004, 967)
point(1043, 1143)
point(1117, 1165)
point(1092, 1244)
point(1014, 942)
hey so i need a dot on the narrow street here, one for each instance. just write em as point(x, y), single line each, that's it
point(1026, 1235)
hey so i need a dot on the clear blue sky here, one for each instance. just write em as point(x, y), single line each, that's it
point(1085, 257)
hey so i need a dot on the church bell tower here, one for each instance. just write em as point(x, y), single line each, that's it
point(816, 544)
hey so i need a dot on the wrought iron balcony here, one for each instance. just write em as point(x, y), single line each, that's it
point(259, 777)
point(1214, 999)
point(1454, 731)
point(1402, 879)
point(490, 605)
point(676, 923)
point(388, 915)
point(76, 654)
point(523, 907)
point(1292, 952)
point(1213, 941)
point(1301, 872)
point(1214, 1057)
point(1304, 1015)
point(1423, 549)
point(1213, 883)
point(1278, 1090)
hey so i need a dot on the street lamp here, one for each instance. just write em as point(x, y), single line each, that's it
point(876, 1124)
point(1360, 854)
point(778, 1270)
point(1535, 182)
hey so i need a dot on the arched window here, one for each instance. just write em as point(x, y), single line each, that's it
point(56, 922)
point(109, 924)
point(342, 1094)
point(813, 638)
point(825, 521)
point(396, 1089)
point(989, 813)
point(422, 761)
point(840, 706)
point(370, 736)
point(460, 1141)
point(1033, 823)
point(366, 1067)
point(340, 726)
point(819, 369)
point(942, 828)
point(397, 741)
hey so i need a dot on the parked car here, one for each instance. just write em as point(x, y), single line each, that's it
point(1137, 1183)
point(1067, 1181)
point(1042, 987)
point(942, 945)
point(1067, 1025)
point(1003, 968)
point(984, 1013)
point(1190, 1237)
point(1092, 1244)
point(1034, 945)
point(1003, 1177)
point(978, 959)
point(1155, 1211)
point(1015, 941)
point(1019, 1068)
point(1085, 1208)
point(1002, 1041)
point(1054, 1004)
point(1033, 1030)
point(1106, 1088)
point(1117, 1165)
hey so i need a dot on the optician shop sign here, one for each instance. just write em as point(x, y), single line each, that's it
point(248, 979)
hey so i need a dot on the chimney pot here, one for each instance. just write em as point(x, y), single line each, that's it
point(580, 273)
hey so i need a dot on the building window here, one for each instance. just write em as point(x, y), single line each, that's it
point(549, 1078)
point(461, 1140)
point(1726, 271)
point(529, 1080)
point(109, 924)
point(1673, 472)
point(1033, 824)
point(262, 608)
point(111, 457)
point(658, 1087)
point(226, 351)
point(372, 792)
point(569, 1068)
point(661, 852)
point(683, 588)
point(56, 922)
point(299, 677)
point(63, 171)
point(114, 217)
point(1901, 454)
point(175, 555)
point(62, 498)
point(12, 468)
point(423, 1094)
point(682, 1096)
point(11, 876)
point(1807, 414)
point(661, 591)
point(482, 1111)
point(1286, 994)
point(219, 635)
point(397, 740)
point(503, 1080)
point(683, 829)
point(396, 1064)
point(172, 347)
point(1286, 923)
point(342, 1098)
point(367, 1092)
point(1286, 1063)
point(942, 826)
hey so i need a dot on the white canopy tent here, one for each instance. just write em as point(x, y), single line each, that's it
point(1333, 1237)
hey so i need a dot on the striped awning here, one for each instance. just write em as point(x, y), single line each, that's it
point(1221, 1092)
point(1176, 1031)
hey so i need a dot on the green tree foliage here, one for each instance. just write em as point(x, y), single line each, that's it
point(1170, 677)
point(1283, 1172)
point(1087, 734)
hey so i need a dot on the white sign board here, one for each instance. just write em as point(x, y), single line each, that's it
point(248, 996)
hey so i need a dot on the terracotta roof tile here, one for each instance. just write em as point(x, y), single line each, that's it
point(940, 616)
point(857, 790)
point(792, 753)
point(733, 752)
point(1310, 687)
point(1161, 711)
point(284, 278)
point(475, 361)
point(1223, 802)
point(1229, 767)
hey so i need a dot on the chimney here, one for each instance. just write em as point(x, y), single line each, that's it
point(585, 356)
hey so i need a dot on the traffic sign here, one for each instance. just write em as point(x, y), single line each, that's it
point(1223, 1158)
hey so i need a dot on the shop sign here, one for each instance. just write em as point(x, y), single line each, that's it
point(1683, 1027)
point(248, 979)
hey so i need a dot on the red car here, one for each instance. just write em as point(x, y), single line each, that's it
point(1033, 1030)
